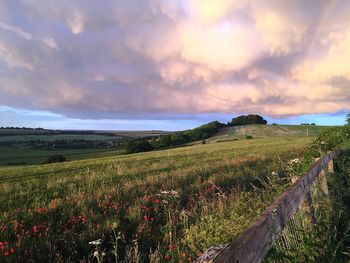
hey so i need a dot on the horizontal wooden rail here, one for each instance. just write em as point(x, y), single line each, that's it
point(254, 243)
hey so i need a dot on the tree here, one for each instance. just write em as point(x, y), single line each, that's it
point(138, 146)
point(248, 120)
point(348, 118)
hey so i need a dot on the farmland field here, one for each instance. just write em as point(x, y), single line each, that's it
point(170, 204)
point(28, 147)
point(53, 137)
point(18, 156)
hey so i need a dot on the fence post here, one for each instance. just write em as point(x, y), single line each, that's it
point(311, 208)
point(323, 181)
point(330, 166)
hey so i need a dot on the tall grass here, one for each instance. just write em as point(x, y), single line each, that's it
point(165, 206)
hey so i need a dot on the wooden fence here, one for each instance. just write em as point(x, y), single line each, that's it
point(254, 243)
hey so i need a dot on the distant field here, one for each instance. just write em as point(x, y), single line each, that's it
point(53, 137)
point(15, 156)
point(26, 131)
point(136, 134)
point(25, 154)
point(77, 202)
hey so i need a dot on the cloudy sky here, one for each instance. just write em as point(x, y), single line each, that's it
point(172, 64)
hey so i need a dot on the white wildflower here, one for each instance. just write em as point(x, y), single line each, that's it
point(96, 242)
point(173, 192)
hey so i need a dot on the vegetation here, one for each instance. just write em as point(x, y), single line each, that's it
point(308, 123)
point(55, 159)
point(329, 239)
point(348, 118)
point(19, 128)
point(247, 120)
point(10, 156)
point(176, 139)
point(160, 205)
point(138, 146)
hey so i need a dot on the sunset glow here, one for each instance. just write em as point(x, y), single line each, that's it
point(144, 62)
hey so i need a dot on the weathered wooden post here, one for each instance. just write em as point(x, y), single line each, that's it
point(330, 166)
point(311, 208)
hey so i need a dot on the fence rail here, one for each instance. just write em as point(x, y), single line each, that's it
point(254, 243)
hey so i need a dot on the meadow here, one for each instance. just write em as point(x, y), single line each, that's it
point(10, 156)
point(20, 146)
point(160, 206)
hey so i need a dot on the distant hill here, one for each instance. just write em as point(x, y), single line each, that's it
point(263, 131)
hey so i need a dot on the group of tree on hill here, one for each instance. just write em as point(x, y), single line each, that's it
point(308, 123)
point(176, 139)
point(247, 120)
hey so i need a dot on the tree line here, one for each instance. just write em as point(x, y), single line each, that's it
point(181, 138)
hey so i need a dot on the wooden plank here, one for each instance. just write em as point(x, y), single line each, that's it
point(254, 243)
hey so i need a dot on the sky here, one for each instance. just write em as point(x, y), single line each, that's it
point(172, 64)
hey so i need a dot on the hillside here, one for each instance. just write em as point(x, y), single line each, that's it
point(264, 131)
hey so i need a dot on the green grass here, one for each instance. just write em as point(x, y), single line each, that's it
point(78, 201)
point(18, 156)
point(263, 131)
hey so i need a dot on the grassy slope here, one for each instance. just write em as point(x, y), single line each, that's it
point(35, 156)
point(129, 178)
point(169, 167)
point(261, 131)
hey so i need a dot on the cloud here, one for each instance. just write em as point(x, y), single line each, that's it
point(160, 58)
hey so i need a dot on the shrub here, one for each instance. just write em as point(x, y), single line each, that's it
point(249, 137)
point(138, 146)
point(55, 159)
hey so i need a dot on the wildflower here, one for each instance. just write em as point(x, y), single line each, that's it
point(96, 242)
point(171, 247)
point(173, 192)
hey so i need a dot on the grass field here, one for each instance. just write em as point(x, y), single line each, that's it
point(174, 203)
point(53, 137)
point(26, 155)
point(19, 156)
point(262, 131)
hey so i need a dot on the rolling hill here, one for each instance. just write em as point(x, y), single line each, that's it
point(265, 131)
